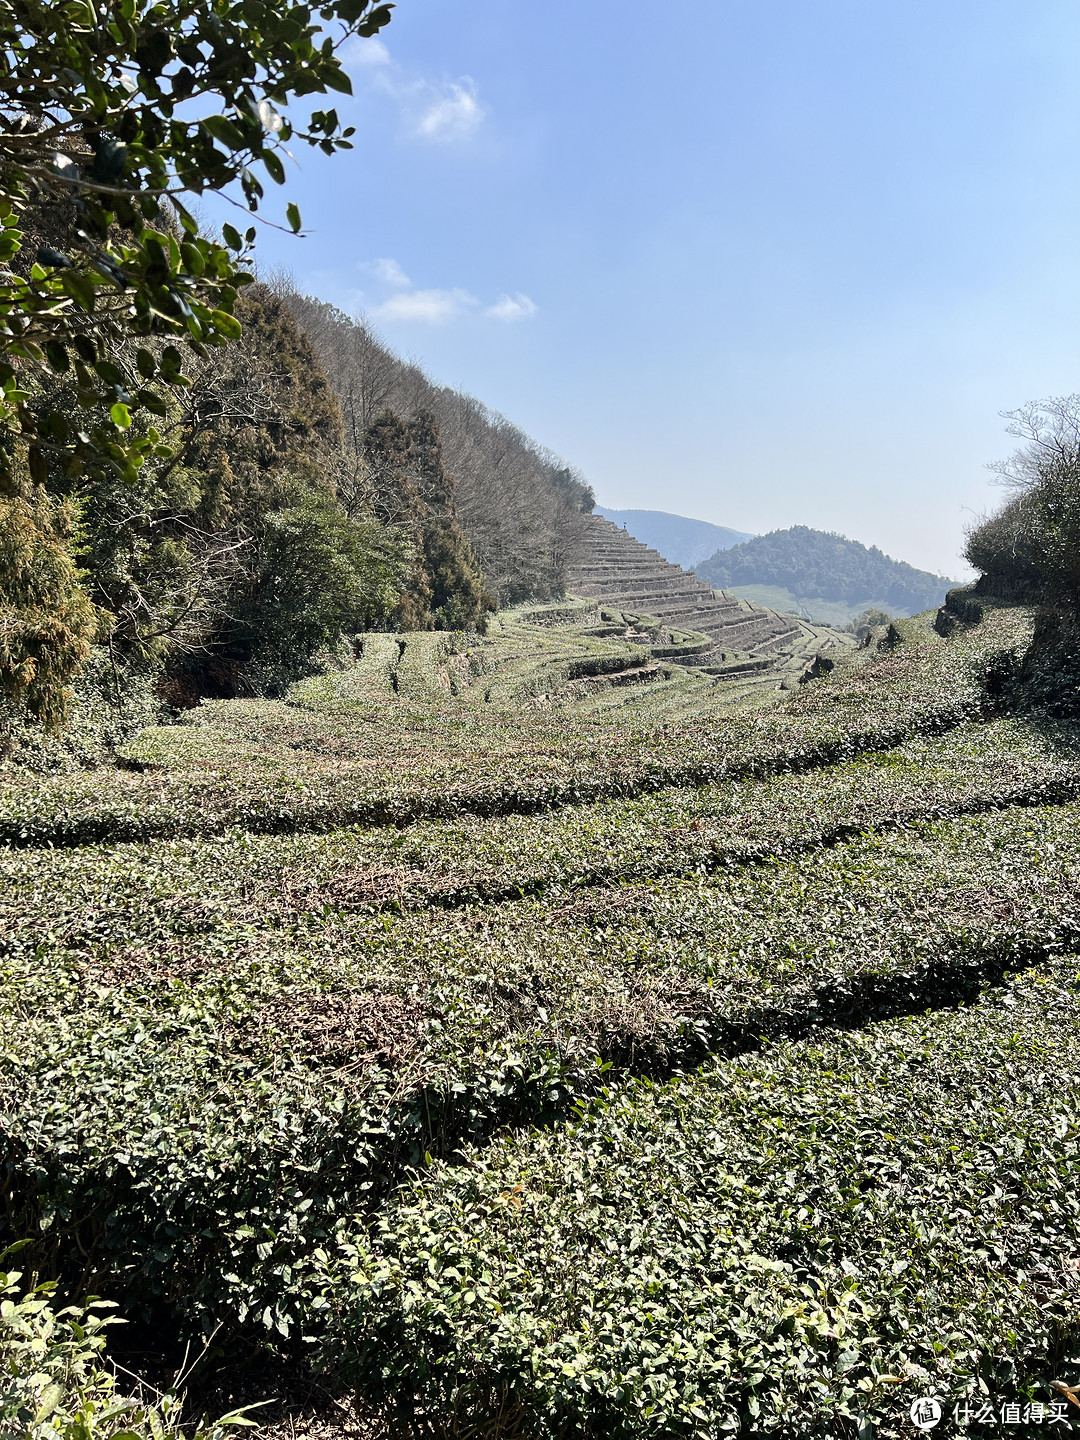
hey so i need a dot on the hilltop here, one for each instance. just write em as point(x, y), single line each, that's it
point(679, 539)
point(822, 574)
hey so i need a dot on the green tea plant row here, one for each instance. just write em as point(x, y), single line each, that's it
point(234, 1028)
point(189, 886)
point(274, 767)
point(188, 1118)
point(102, 894)
point(800, 1242)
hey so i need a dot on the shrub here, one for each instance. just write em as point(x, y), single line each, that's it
point(313, 575)
point(56, 1382)
point(796, 1243)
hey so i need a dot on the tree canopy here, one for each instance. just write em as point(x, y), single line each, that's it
point(113, 116)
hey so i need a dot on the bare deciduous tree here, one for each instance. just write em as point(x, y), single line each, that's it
point(519, 505)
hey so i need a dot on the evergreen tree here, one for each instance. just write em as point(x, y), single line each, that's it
point(47, 620)
point(459, 598)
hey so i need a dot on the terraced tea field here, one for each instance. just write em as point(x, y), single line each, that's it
point(541, 1035)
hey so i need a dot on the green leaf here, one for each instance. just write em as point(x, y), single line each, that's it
point(337, 79)
point(193, 258)
point(121, 416)
point(81, 288)
point(150, 400)
point(225, 324)
point(274, 167)
point(57, 356)
point(51, 1397)
point(292, 213)
point(225, 131)
point(110, 373)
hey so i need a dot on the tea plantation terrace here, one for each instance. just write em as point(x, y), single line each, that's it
point(620, 572)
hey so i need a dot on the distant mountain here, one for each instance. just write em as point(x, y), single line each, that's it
point(815, 565)
point(684, 542)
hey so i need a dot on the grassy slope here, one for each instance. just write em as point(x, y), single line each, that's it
point(234, 1029)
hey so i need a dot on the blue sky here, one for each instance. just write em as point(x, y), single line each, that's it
point(763, 263)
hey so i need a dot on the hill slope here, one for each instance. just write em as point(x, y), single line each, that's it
point(682, 541)
point(480, 968)
point(822, 566)
point(518, 504)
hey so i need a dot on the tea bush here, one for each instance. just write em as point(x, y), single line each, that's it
point(796, 1243)
point(269, 767)
point(291, 961)
point(56, 1382)
point(189, 1114)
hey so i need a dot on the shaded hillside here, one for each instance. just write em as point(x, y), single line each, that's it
point(518, 504)
point(825, 566)
point(679, 539)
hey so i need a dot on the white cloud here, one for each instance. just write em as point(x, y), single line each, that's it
point(388, 271)
point(403, 302)
point(436, 111)
point(512, 307)
point(366, 54)
point(451, 115)
point(432, 307)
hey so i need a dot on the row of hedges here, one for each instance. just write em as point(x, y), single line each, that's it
point(183, 886)
point(188, 1116)
point(800, 1243)
point(275, 768)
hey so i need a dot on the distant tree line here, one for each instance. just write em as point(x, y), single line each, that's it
point(825, 566)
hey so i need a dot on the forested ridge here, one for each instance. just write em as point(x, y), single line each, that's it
point(822, 565)
point(517, 502)
point(288, 509)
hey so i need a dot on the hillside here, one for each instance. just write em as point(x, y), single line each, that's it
point(620, 572)
point(817, 571)
point(518, 504)
point(682, 541)
point(462, 975)
point(313, 486)
point(411, 1013)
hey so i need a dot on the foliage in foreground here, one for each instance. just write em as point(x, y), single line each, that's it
point(57, 1384)
point(113, 120)
point(190, 1114)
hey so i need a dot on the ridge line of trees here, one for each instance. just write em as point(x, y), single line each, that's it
point(827, 566)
